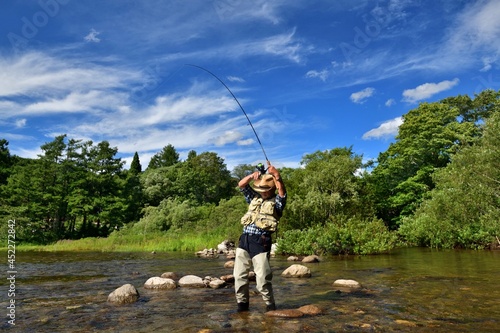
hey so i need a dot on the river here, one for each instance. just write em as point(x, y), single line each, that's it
point(408, 290)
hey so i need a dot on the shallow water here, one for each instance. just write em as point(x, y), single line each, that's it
point(409, 290)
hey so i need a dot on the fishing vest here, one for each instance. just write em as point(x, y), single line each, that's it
point(262, 213)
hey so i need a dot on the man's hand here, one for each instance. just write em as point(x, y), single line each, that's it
point(273, 171)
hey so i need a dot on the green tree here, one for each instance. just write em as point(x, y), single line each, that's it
point(135, 166)
point(167, 157)
point(5, 161)
point(464, 208)
point(430, 135)
point(327, 186)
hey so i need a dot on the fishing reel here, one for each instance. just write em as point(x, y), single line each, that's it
point(260, 167)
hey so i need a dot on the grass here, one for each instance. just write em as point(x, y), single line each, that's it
point(159, 242)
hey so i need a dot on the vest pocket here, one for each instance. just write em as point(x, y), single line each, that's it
point(266, 222)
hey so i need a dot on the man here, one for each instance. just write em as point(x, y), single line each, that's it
point(261, 220)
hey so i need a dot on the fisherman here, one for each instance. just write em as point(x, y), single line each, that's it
point(261, 220)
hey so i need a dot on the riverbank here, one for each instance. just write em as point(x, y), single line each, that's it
point(165, 242)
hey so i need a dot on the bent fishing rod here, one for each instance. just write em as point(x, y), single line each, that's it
point(241, 107)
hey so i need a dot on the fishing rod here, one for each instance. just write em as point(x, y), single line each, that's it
point(241, 107)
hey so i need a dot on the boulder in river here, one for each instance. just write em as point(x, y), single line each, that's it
point(344, 285)
point(296, 270)
point(170, 275)
point(191, 281)
point(286, 313)
point(310, 259)
point(124, 295)
point(160, 283)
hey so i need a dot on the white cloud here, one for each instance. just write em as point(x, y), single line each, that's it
point(322, 75)
point(246, 142)
point(361, 96)
point(385, 130)
point(235, 79)
point(92, 36)
point(390, 102)
point(427, 90)
point(227, 137)
point(20, 123)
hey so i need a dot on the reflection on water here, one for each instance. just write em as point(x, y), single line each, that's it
point(409, 290)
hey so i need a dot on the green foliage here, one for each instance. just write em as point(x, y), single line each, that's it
point(430, 135)
point(464, 208)
point(327, 186)
point(167, 157)
point(341, 235)
point(135, 166)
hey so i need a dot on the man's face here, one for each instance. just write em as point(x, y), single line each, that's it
point(267, 194)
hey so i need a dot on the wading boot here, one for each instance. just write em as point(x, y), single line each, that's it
point(242, 307)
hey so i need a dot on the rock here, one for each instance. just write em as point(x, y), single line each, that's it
point(217, 283)
point(296, 271)
point(290, 313)
point(229, 264)
point(292, 258)
point(228, 278)
point(405, 323)
point(349, 284)
point(170, 275)
point(310, 259)
point(274, 247)
point(231, 254)
point(225, 246)
point(124, 295)
point(191, 281)
point(311, 310)
point(207, 253)
point(160, 283)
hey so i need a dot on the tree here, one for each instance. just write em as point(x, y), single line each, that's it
point(464, 208)
point(167, 157)
point(5, 161)
point(327, 186)
point(430, 135)
point(135, 166)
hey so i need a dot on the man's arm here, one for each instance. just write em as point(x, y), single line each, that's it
point(278, 181)
point(246, 180)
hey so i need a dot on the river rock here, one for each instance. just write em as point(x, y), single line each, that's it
point(311, 310)
point(216, 283)
point(287, 313)
point(124, 295)
point(228, 278)
point(170, 275)
point(191, 281)
point(310, 259)
point(292, 258)
point(231, 254)
point(297, 271)
point(229, 264)
point(207, 253)
point(160, 283)
point(225, 246)
point(350, 284)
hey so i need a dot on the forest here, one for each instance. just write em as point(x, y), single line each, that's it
point(437, 185)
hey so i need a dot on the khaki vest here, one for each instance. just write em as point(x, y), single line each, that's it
point(262, 213)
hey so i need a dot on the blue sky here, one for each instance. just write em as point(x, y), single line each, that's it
point(311, 75)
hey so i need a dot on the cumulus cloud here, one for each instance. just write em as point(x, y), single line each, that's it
point(385, 130)
point(427, 90)
point(361, 96)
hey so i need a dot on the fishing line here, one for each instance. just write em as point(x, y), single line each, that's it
point(241, 107)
